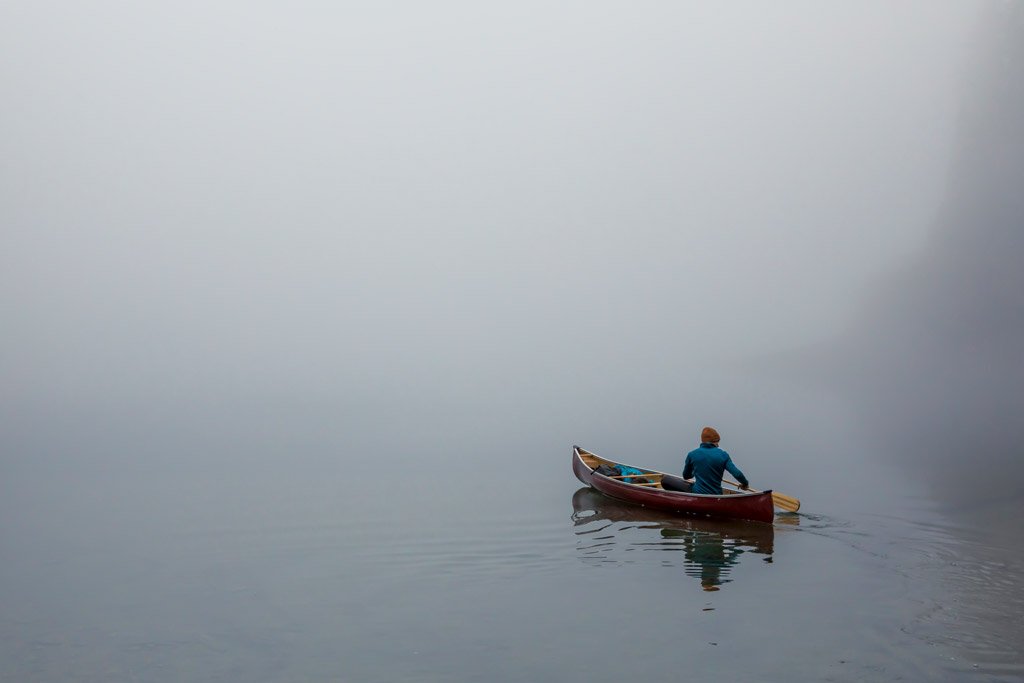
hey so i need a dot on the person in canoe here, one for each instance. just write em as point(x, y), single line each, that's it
point(708, 463)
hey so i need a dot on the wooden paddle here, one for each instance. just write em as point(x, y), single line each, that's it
point(781, 500)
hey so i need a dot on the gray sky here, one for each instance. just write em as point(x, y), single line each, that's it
point(360, 200)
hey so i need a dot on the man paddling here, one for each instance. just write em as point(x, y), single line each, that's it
point(708, 463)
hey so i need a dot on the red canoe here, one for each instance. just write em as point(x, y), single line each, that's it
point(647, 490)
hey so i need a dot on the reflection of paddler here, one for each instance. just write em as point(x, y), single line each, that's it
point(707, 556)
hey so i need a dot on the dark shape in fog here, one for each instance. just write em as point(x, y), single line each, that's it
point(936, 360)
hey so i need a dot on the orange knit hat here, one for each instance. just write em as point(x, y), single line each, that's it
point(709, 435)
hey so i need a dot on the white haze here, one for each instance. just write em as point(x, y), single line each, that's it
point(372, 209)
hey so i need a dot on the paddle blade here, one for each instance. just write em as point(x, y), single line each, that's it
point(788, 503)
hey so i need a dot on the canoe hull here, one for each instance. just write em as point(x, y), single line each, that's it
point(757, 507)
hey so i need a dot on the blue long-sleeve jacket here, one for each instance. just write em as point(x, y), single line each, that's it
point(707, 464)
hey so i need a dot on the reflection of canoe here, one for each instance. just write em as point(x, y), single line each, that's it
point(590, 506)
point(707, 548)
point(652, 494)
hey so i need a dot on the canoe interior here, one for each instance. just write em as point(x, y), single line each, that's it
point(653, 477)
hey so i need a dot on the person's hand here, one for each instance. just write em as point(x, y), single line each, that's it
point(745, 487)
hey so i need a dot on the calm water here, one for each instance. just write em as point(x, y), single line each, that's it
point(311, 565)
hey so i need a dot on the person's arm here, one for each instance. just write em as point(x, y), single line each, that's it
point(735, 471)
point(688, 468)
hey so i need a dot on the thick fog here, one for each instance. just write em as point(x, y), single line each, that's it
point(935, 360)
point(327, 224)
